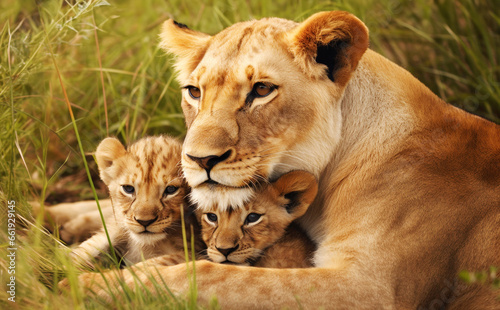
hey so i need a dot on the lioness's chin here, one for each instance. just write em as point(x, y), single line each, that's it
point(206, 196)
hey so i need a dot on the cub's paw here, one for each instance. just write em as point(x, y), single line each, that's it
point(81, 259)
point(63, 285)
point(78, 229)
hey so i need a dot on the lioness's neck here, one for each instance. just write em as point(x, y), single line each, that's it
point(378, 113)
point(373, 112)
point(382, 104)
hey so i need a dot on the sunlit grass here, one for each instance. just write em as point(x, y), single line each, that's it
point(104, 55)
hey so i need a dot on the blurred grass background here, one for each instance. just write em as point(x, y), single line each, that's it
point(104, 54)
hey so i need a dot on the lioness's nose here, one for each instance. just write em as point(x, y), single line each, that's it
point(208, 162)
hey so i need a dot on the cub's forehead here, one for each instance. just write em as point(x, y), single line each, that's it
point(163, 147)
point(152, 159)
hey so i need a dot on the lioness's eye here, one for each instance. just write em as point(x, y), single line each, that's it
point(212, 217)
point(262, 89)
point(170, 190)
point(194, 92)
point(129, 189)
point(252, 218)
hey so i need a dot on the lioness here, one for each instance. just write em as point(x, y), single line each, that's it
point(409, 186)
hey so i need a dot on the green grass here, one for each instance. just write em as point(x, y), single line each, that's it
point(99, 62)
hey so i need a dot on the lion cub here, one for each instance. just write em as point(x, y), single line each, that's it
point(262, 233)
point(147, 194)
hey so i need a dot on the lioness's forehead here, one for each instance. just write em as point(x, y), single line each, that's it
point(242, 44)
point(245, 36)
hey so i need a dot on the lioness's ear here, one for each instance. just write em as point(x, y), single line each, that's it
point(299, 188)
point(188, 45)
point(108, 150)
point(336, 39)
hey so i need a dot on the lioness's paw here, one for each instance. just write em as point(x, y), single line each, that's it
point(89, 282)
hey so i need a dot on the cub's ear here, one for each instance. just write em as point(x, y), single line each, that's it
point(188, 45)
point(335, 39)
point(299, 188)
point(108, 150)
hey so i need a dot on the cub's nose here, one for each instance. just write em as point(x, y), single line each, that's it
point(146, 223)
point(227, 251)
point(208, 162)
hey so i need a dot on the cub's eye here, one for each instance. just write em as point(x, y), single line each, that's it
point(129, 189)
point(262, 89)
point(194, 92)
point(211, 217)
point(170, 190)
point(252, 218)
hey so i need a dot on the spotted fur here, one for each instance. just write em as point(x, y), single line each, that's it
point(151, 168)
point(262, 233)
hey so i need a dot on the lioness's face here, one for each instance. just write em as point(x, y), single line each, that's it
point(257, 102)
point(251, 118)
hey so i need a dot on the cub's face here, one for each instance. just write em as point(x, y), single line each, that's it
point(240, 236)
point(260, 99)
point(145, 185)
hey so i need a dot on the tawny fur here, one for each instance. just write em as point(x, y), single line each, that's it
point(75, 221)
point(270, 241)
point(150, 166)
point(409, 186)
